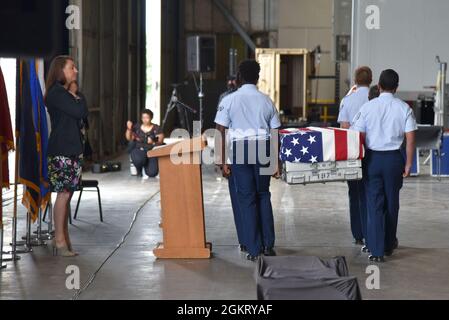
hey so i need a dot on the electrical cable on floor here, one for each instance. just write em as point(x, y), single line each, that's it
point(93, 276)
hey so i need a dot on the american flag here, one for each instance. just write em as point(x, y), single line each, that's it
point(312, 145)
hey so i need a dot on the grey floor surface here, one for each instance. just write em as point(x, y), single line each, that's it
point(310, 220)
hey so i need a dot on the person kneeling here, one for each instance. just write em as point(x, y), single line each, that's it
point(143, 138)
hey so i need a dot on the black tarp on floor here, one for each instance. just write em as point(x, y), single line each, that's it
point(305, 278)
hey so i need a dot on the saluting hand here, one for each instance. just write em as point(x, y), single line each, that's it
point(73, 89)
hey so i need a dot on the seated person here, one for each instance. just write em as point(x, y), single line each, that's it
point(143, 138)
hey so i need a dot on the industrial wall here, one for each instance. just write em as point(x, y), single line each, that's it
point(110, 52)
point(259, 18)
point(380, 41)
point(308, 24)
point(276, 24)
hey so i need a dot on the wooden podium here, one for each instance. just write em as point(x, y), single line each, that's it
point(184, 233)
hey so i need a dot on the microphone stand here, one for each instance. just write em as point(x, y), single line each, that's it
point(201, 99)
point(174, 102)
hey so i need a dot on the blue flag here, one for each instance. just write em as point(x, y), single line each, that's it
point(41, 129)
point(32, 131)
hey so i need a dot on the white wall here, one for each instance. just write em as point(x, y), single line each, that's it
point(153, 28)
point(411, 33)
point(307, 24)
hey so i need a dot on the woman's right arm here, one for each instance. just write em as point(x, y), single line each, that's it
point(129, 131)
point(61, 99)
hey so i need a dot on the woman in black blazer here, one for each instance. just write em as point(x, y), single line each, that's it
point(67, 109)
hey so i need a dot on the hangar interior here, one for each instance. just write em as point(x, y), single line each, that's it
point(132, 54)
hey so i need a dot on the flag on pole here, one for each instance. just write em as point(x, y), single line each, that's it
point(32, 130)
point(41, 130)
point(6, 134)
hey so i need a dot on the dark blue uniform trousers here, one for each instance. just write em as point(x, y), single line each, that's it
point(238, 219)
point(383, 182)
point(357, 209)
point(254, 201)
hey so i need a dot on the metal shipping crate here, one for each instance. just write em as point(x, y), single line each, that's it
point(304, 173)
point(284, 77)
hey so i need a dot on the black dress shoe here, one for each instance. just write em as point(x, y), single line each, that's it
point(376, 259)
point(388, 253)
point(251, 258)
point(243, 248)
point(359, 242)
point(365, 249)
point(396, 244)
point(269, 252)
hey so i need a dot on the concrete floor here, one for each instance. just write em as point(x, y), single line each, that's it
point(310, 220)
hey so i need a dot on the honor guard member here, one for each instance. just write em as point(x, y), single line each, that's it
point(385, 121)
point(250, 115)
point(232, 86)
point(349, 107)
point(373, 92)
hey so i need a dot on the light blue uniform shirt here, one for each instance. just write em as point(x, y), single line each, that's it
point(248, 113)
point(385, 120)
point(351, 104)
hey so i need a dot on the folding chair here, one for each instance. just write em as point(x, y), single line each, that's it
point(89, 184)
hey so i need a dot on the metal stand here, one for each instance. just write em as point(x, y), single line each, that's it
point(14, 244)
point(39, 236)
point(43, 234)
point(48, 234)
point(14, 252)
point(233, 55)
point(10, 258)
point(38, 239)
point(201, 99)
point(27, 246)
point(2, 266)
point(174, 102)
point(10, 255)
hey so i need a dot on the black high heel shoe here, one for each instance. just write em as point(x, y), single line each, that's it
point(252, 258)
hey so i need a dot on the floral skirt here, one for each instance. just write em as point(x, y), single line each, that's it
point(64, 173)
